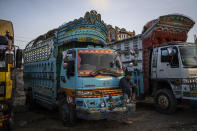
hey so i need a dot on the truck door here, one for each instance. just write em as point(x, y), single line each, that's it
point(67, 79)
point(168, 64)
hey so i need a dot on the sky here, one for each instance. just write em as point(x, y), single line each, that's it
point(32, 18)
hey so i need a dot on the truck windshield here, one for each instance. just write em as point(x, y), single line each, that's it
point(96, 61)
point(189, 56)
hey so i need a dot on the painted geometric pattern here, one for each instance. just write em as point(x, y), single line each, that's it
point(41, 52)
point(90, 27)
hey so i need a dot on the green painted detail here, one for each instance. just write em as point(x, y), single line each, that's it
point(89, 28)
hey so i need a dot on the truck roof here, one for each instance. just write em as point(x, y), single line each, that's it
point(96, 48)
point(177, 43)
point(6, 26)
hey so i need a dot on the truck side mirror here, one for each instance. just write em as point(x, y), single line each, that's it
point(19, 55)
point(9, 58)
point(65, 65)
point(70, 66)
point(117, 63)
point(170, 51)
point(112, 64)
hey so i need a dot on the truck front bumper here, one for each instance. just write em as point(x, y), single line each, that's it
point(5, 111)
point(105, 113)
point(3, 118)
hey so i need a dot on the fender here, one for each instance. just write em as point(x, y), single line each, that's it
point(159, 84)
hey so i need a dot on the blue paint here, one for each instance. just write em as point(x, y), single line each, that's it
point(137, 78)
point(46, 74)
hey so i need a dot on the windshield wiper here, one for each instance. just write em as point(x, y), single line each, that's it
point(105, 71)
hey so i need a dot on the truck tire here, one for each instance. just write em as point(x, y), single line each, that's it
point(30, 103)
point(66, 114)
point(165, 102)
point(7, 126)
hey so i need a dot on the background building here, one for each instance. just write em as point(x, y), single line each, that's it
point(116, 34)
point(130, 50)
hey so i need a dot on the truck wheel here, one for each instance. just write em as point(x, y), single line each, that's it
point(29, 100)
point(7, 126)
point(67, 115)
point(165, 101)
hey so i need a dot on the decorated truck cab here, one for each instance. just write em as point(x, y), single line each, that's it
point(90, 78)
point(169, 62)
point(70, 67)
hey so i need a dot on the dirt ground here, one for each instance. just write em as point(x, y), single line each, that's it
point(144, 119)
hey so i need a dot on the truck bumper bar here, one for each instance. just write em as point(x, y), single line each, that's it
point(104, 113)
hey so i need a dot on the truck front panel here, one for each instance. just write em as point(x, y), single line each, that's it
point(94, 86)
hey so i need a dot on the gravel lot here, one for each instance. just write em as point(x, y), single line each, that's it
point(144, 119)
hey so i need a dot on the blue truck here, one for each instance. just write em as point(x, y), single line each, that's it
point(70, 68)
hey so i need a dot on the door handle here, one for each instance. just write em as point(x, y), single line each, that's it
point(161, 70)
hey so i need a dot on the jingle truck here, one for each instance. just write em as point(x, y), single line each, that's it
point(70, 68)
point(169, 62)
point(10, 59)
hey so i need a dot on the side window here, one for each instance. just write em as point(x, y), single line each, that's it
point(164, 55)
point(171, 59)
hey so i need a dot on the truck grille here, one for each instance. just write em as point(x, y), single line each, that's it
point(104, 93)
point(2, 89)
point(190, 81)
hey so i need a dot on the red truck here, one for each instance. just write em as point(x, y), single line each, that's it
point(169, 62)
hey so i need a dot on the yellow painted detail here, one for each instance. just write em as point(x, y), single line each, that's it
point(82, 39)
point(9, 85)
point(70, 92)
point(2, 76)
point(6, 26)
point(96, 92)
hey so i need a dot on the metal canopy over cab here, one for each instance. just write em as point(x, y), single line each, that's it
point(6, 26)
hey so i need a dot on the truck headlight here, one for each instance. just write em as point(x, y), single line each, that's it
point(3, 107)
point(177, 82)
point(84, 93)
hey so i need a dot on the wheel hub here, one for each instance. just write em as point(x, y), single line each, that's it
point(163, 101)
